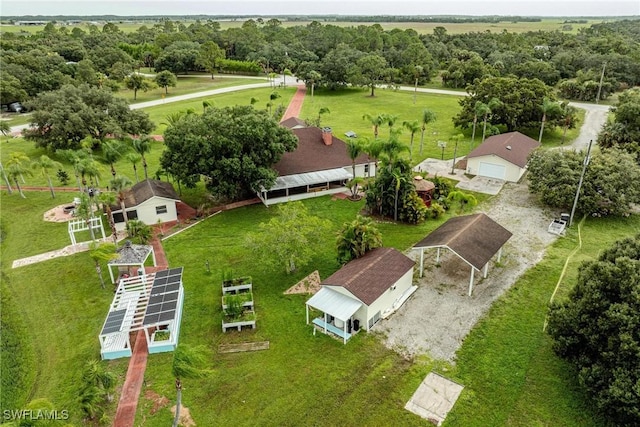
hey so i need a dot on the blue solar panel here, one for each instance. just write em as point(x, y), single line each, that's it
point(163, 301)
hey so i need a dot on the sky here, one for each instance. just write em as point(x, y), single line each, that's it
point(318, 7)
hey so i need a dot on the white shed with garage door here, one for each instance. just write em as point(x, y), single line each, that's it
point(502, 156)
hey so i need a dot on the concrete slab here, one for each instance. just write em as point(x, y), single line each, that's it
point(481, 184)
point(441, 168)
point(434, 398)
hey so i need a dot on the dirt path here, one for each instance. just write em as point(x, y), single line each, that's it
point(440, 314)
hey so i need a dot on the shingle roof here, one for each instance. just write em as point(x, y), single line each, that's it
point(293, 123)
point(475, 238)
point(313, 155)
point(131, 254)
point(144, 190)
point(370, 276)
point(513, 147)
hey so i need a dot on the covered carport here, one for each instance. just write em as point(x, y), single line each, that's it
point(473, 238)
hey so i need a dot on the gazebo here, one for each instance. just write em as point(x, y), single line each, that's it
point(131, 255)
point(152, 303)
point(473, 238)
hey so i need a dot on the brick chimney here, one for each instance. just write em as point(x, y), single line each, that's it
point(327, 137)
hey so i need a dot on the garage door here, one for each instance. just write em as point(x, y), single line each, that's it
point(491, 170)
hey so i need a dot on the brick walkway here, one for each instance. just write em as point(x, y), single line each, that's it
point(126, 412)
point(295, 106)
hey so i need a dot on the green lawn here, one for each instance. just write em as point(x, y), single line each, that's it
point(186, 84)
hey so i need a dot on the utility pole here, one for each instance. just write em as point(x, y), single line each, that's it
point(604, 65)
point(585, 163)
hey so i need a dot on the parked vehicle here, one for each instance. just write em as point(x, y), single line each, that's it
point(16, 107)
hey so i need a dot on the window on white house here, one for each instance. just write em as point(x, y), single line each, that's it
point(161, 209)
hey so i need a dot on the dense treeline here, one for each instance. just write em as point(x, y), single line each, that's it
point(323, 55)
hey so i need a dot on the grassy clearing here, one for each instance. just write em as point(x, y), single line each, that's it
point(186, 84)
point(242, 97)
point(506, 363)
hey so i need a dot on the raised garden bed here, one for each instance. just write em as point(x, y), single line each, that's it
point(236, 285)
point(246, 319)
point(245, 300)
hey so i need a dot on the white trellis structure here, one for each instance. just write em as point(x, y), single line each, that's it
point(79, 225)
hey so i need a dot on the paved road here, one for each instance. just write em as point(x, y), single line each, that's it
point(595, 116)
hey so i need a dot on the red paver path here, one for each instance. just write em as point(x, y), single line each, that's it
point(295, 106)
point(126, 413)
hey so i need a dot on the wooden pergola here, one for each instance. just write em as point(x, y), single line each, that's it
point(475, 239)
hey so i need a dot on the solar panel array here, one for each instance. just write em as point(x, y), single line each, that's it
point(163, 300)
point(113, 322)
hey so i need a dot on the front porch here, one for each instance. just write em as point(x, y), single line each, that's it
point(328, 328)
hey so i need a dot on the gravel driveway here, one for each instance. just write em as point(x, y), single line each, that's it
point(439, 315)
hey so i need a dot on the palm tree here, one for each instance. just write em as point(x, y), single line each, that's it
point(356, 238)
point(413, 127)
point(272, 97)
point(173, 118)
point(313, 77)
point(491, 106)
point(391, 149)
point(88, 168)
point(390, 120)
point(463, 200)
point(101, 252)
point(74, 157)
point(207, 104)
point(6, 179)
point(120, 186)
point(94, 374)
point(417, 72)
point(141, 146)
point(376, 122)
point(16, 168)
point(399, 178)
point(480, 109)
point(134, 158)
point(428, 116)
point(112, 151)
point(108, 199)
point(354, 149)
point(568, 117)
point(322, 111)
point(549, 108)
point(44, 163)
point(84, 210)
point(188, 362)
point(5, 128)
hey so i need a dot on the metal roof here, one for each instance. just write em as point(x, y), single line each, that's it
point(310, 178)
point(334, 303)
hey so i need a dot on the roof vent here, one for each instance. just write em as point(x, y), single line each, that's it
point(509, 147)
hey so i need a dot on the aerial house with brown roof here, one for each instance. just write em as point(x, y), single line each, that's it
point(362, 292)
point(502, 156)
point(150, 201)
point(320, 165)
point(473, 238)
